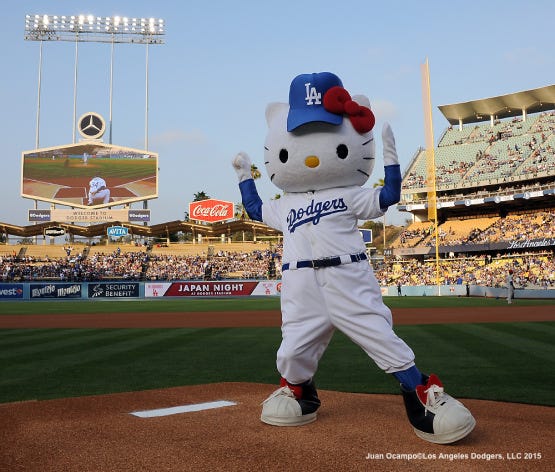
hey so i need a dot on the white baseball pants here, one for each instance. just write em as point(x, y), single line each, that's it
point(100, 196)
point(315, 302)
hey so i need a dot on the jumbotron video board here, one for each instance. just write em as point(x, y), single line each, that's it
point(89, 174)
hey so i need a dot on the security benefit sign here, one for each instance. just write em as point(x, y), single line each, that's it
point(55, 290)
point(226, 288)
point(114, 290)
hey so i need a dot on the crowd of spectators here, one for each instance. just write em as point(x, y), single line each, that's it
point(509, 149)
point(515, 228)
point(222, 265)
point(535, 270)
point(530, 271)
point(122, 265)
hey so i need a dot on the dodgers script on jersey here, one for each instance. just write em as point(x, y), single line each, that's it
point(323, 223)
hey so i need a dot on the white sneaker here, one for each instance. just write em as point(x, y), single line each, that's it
point(282, 408)
point(436, 416)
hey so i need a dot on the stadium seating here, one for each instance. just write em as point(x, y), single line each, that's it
point(478, 153)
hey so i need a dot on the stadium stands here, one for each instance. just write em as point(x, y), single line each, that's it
point(495, 184)
point(482, 153)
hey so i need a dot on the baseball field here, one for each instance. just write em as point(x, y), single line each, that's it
point(66, 180)
point(74, 376)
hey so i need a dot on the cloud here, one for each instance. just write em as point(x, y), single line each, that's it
point(174, 136)
point(385, 109)
point(526, 56)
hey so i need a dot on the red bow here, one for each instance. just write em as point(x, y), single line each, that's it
point(337, 100)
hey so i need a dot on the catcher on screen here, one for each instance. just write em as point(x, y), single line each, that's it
point(320, 151)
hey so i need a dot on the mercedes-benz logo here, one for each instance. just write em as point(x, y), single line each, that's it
point(91, 125)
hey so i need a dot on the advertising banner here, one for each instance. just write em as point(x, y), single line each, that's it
point(117, 231)
point(55, 290)
point(211, 210)
point(227, 288)
point(54, 231)
point(89, 215)
point(11, 290)
point(156, 289)
point(114, 290)
point(39, 215)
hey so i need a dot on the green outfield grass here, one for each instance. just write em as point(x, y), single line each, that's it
point(230, 304)
point(496, 361)
point(42, 169)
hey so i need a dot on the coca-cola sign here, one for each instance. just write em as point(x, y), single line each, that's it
point(211, 210)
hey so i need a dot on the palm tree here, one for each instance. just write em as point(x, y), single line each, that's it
point(240, 211)
point(256, 174)
point(381, 183)
point(199, 196)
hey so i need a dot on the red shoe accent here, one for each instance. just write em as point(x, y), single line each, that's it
point(421, 389)
point(296, 389)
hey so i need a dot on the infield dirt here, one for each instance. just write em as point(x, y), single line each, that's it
point(353, 431)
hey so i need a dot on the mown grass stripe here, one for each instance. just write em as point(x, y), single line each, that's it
point(185, 304)
point(51, 342)
point(9, 334)
point(544, 332)
point(95, 352)
point(493, 335)
point(136, 359)
point(433, 344)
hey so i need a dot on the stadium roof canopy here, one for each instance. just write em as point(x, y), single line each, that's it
point(504, 106)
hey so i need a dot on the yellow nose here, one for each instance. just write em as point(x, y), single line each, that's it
point(312, 162)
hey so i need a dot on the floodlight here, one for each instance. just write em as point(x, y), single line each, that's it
point(92, 28)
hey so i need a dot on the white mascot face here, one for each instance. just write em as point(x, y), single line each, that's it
point(316, 155)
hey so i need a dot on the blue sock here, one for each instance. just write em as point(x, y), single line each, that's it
point(409, 378)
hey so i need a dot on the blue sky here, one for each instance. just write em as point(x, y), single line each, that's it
point(222, 62)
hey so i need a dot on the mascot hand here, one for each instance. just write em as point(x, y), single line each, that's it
point(389, 152)
point(242, 165)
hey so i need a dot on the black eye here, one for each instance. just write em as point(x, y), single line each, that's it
point(283, 155)
point(342, 151)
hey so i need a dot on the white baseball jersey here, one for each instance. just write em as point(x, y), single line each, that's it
point(96, 183)
point(98, 191)
point(323, 223)
point(347, 297)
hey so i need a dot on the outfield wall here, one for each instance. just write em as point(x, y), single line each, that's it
point(223, 288)
point(461, 291)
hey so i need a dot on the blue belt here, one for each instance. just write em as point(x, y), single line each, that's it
point(326, 262)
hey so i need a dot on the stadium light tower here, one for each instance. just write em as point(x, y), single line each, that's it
point(90, 28)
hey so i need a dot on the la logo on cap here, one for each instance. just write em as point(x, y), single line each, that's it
point(312, 95)
point(306, 100)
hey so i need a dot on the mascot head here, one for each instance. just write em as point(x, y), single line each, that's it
point(321, 139)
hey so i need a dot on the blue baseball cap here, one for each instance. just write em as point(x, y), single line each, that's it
point(306, 99)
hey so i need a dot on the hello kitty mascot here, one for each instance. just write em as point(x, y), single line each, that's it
point(320, 150)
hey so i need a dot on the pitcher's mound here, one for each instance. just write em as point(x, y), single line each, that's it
point(353, 432)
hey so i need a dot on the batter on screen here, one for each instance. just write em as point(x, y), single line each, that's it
point(320, 151)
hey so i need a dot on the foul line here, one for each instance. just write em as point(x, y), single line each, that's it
point(182, 409)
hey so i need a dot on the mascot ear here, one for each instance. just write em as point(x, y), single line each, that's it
point(274, 109)
point(362, 100)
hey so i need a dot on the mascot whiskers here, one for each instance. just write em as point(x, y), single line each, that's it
point(320, 151)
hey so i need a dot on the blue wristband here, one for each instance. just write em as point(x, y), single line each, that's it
point(251, 200)
point(391, 191)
